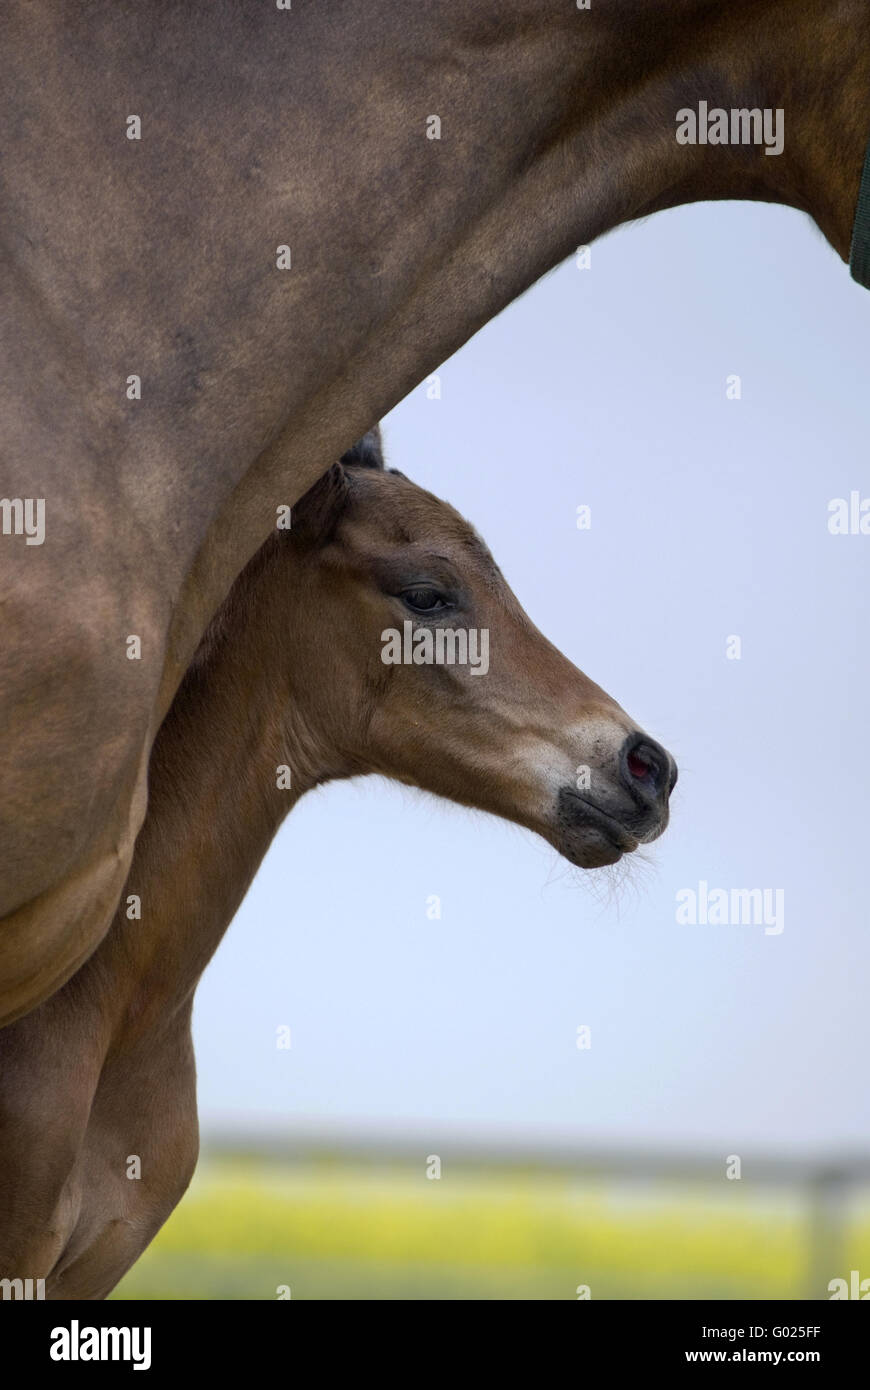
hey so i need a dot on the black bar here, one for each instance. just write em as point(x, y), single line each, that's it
point(257, 1339)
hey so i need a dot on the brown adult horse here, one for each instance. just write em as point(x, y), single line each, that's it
point(234, 234)
point(290, 676)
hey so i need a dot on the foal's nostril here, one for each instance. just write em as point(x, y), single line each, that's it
point(638, 765)
point(647, 770)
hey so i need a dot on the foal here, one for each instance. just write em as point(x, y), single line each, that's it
point(288, 690)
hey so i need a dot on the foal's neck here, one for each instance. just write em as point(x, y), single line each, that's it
point(230, 761)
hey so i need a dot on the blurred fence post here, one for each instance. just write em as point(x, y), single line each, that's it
point(828, 1195)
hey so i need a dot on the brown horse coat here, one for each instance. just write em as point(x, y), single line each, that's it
point(230, 242)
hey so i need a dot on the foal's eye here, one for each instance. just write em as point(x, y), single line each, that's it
point(423, 599)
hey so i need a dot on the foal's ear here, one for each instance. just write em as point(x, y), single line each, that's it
point(316, 514)
point(368, 452)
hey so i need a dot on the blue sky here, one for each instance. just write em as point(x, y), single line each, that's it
point(607, 387)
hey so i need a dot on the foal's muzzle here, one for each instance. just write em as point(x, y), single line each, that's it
point(622, 809)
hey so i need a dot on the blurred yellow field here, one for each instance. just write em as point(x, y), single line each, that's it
point(344, 1230)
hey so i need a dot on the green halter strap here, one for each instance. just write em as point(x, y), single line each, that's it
point(859, 256)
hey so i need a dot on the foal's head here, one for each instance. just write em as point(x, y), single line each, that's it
point(412, 658)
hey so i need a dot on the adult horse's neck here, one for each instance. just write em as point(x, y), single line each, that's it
point(809, 61)
point(557, 124)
